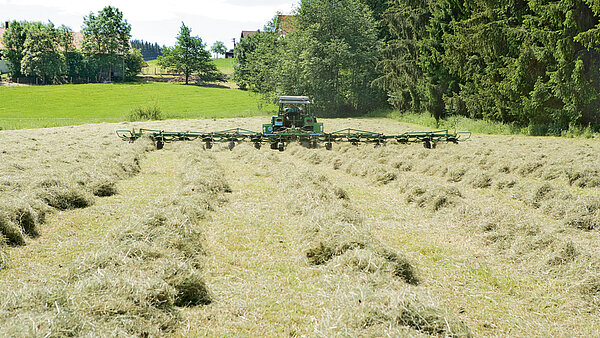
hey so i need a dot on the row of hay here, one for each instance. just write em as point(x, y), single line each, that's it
point(523, 237)
point(32, 186)
point(133, 285)
point(553, 191)
point(372, 290)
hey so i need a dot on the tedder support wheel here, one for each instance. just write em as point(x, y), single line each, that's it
point(328, 146)
point(231, 145)
point(281, 146)
point(427, 144)
point(160, 144)
point(257, 145)
point(208, 145)
point(274, 146)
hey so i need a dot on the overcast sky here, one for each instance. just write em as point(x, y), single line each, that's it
point(157, 21)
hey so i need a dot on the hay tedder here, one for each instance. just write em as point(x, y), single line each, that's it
point(293, 122)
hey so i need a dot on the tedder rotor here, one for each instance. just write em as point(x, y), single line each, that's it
point(293, 122)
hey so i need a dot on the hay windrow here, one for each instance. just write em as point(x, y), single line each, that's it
point(134, 283)
point(50, 173)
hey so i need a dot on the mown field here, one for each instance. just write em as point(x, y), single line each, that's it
point(497, 236)
point(63, 105)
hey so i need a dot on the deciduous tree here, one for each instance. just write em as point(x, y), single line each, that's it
point(218, 48)
point(188, 56)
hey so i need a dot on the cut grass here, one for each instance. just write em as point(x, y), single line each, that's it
point(132, 282)
point(502, 233)
point(51, 106)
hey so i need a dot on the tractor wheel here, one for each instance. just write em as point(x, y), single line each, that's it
point(427, 144)
point(231, 145)
point(257, 145)
point(274, 146)
point(208, 145)
point(160, 144)
point(328, 145)
point(281, 146)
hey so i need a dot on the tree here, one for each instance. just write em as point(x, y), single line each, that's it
point(106, 33)
point(106, 36)
point(14, 43)
point(188, 56)
point(337, 50)
point(133, 64)
point(256, 64)
point(41, 57)
point(218, 48)
point(150, 51)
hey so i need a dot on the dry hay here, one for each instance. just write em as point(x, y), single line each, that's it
point(334, 227)
point(60, 169)
point(132, 285)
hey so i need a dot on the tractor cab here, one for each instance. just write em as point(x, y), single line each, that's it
point(294, 113)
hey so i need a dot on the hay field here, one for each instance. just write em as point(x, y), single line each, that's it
point(497, 236)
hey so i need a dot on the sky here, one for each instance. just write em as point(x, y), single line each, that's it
point(157, 21)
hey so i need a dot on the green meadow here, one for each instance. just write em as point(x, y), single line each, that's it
point(52, 106)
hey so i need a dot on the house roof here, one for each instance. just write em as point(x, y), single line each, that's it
point(286, 23)
point(247, 33)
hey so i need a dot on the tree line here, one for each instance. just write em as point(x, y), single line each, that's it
point(532, 63)
point(46, 53)
point(150, 51)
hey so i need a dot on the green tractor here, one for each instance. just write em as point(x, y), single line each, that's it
point(294, 115)
point(294, 122)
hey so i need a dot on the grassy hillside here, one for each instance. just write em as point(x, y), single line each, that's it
point(496, 236)
point(49, 106)
point(225, 66)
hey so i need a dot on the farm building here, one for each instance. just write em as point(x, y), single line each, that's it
point(286, 24)
point(248, 33)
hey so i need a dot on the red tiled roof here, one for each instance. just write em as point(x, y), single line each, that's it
point(77, 40)
point(286, 24)
point(246, 33)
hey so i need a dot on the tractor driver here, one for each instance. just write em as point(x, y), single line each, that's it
point(292, 116)
point(292, 109)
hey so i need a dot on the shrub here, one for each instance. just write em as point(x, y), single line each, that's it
point(146, 112)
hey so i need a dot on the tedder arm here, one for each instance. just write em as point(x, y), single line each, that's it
point(280, 139)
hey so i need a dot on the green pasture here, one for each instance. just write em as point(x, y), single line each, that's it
point(225, 66)
point(52, 106)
